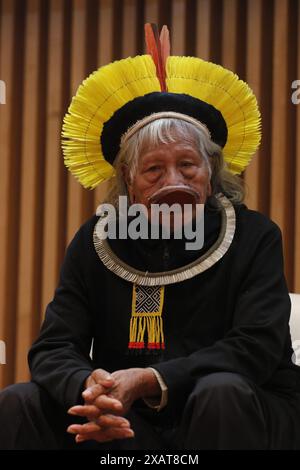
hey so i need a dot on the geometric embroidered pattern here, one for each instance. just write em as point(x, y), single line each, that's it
point(146, 323)
point(147, 299)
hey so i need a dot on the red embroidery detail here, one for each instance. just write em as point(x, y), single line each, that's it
point(156, 345)
point(141, 345)
point(136, 345)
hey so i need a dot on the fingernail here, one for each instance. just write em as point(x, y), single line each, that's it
point(129, 433)
point(124, 425)
point(71, 431)
point(71, 412)
point(87, 394)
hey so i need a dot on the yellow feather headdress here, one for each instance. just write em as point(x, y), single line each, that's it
point(112, 88)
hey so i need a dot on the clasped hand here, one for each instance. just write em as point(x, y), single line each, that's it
point(107, 399)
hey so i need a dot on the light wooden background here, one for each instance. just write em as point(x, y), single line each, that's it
point(47, 47)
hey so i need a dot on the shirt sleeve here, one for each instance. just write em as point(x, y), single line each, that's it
point(254, 345)
point(152, 402)
point(59, 359)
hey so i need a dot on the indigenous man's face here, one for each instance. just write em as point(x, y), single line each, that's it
point(173, 164)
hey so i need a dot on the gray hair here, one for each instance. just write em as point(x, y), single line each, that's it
point(170, 130)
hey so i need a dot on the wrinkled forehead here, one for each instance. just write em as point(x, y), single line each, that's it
point(175, 151)
point(167, 131)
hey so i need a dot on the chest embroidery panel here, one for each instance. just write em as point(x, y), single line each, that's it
point(146, 323)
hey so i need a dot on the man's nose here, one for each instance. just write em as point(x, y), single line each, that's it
point(172, 177)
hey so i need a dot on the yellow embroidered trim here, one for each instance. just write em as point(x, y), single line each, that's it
point(146, 318)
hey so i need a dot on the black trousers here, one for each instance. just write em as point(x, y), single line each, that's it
point(224, 411)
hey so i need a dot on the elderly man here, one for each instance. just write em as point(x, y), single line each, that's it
point(191, 347)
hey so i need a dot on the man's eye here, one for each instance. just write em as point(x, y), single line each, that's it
point(187, 164)
point(153, 168)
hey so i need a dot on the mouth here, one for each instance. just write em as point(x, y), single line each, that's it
point(175, 194)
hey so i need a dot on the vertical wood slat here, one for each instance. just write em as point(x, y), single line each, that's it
point(76, 194)
point(31, 185)
point(259, 75)
point(183, 27)
point(234, 36)
point(55, 174)
point(159, 12)
point(80, 200)
point(105, 56)
point(254, 47)
point(208, 33)
point(297, 172)
point(105, 32)
point(255, 38)
point(152, 9)
point(129, 35)
point(6, 164)
point(282, 163)
point(203, 29)
point(230, 34)
point(178, 27)
point(11, 69)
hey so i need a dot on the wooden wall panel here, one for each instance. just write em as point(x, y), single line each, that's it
point(7, 306)
point(282, 164)
point(204, 28)
point(79, 200)
point(178, 25)
point(11, 70)
point(259, 75)
point(53, 218)
point(31, 182)
point(159, 12)
point(296, 233)
point(254, 48)
point(105, 55)
point(47, 47)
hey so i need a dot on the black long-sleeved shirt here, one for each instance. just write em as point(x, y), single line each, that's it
point(233, 317)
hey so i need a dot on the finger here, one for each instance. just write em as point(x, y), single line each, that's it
point(101, 376)
point(95, 427)
point(117, 433)
point(89, 411)
point(107, 420)
point(104, 402)
point(105, 436)
point(91, 393)
point(83, 428)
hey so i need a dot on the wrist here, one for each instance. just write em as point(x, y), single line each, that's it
point(148, 385)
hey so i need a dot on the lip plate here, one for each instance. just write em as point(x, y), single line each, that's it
point(175, 194)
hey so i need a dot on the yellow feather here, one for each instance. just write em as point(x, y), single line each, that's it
point(226, 92)
point(112, 86)
point(97, 99)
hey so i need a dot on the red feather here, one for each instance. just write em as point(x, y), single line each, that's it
point(165, 45)
point(153, 46)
